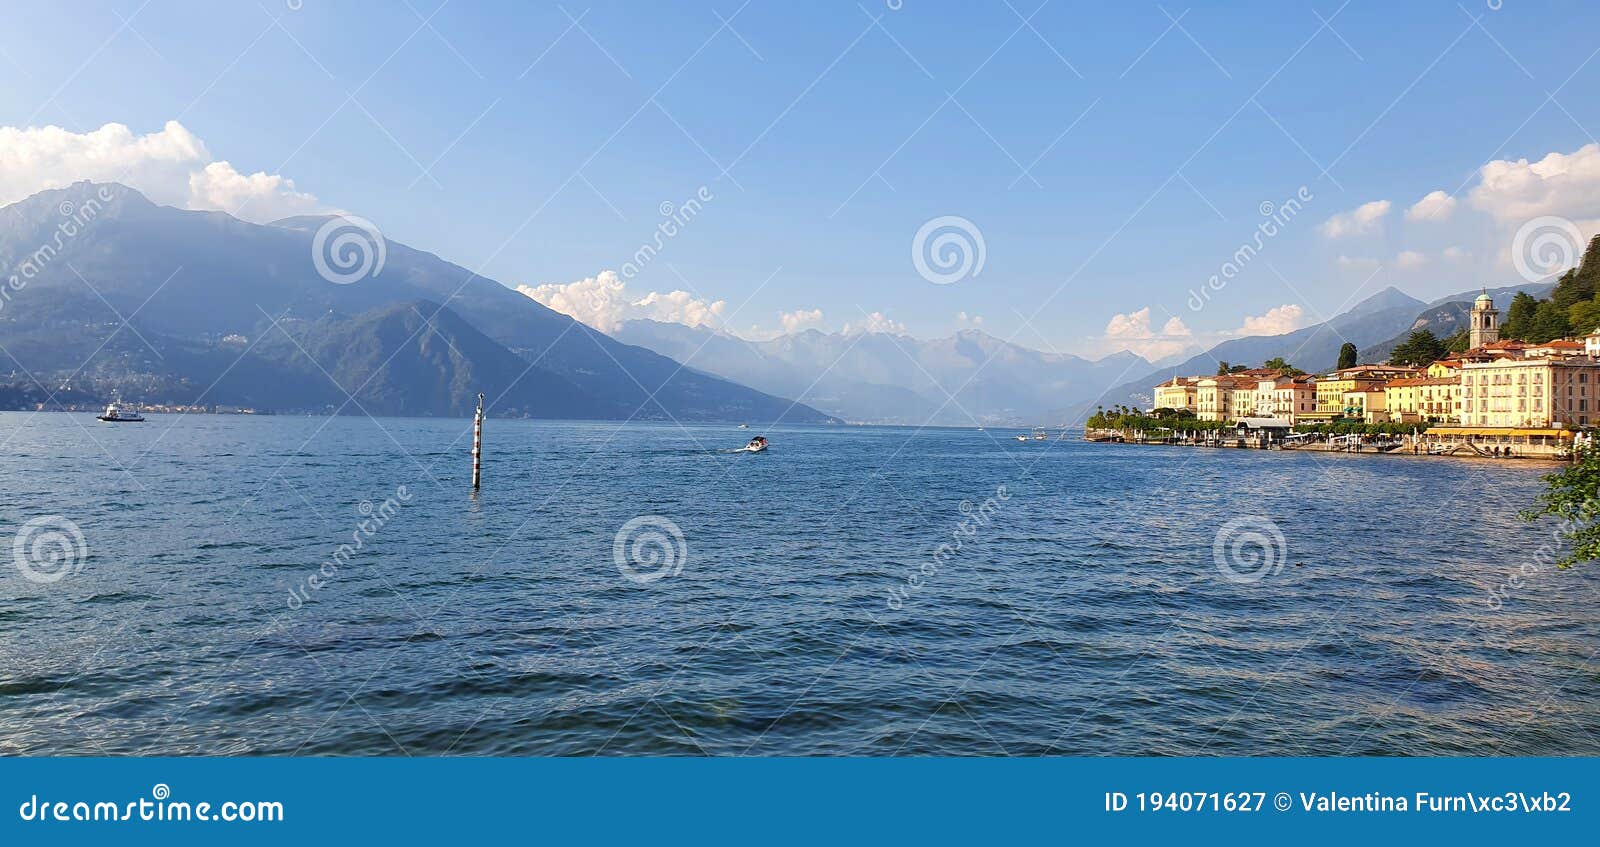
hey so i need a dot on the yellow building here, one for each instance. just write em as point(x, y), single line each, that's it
point(1214, 397)
point(1368, 404)
point(1180, 392)
point(1331, 389)
point(1530, 393)
point(1429, 398)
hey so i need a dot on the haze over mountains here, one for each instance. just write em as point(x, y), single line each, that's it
point(219, 311)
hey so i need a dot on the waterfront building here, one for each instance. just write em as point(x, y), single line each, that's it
point(1214, 397)
point(1591, 344)
point(1331, 389)
point(1367, 404)
point(1180, 392)
point(1434, 399)
point(1530, 393)
point(1286, 398)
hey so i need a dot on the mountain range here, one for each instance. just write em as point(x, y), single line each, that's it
point(968, 379)
point(166, 305)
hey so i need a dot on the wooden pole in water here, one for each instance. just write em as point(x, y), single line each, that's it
point(477, 445)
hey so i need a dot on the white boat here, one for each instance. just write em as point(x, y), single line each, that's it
point(756, 445)
point(1039, 434)
point(114, 413)
point(1022, 438)
point(744, 426)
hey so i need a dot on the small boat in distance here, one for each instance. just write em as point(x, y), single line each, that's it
point(1039, 434)
point(114, 413)
point(744, 426)
point(1022, 438)
point(756, 445)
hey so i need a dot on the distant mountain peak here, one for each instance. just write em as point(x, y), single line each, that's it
point(1388, 298)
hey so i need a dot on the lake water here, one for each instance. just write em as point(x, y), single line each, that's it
point(806, 610)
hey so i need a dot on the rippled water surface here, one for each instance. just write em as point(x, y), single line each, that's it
point(1084, 613)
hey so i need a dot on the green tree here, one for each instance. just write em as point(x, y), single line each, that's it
point(1347, 356)
point(1549, 322)
point(1584, 316)
point(1222, 369)
point(1570, 496)
point(1458, 341)
point(1519, 317)
point(1420, 349)
point(1278, 364)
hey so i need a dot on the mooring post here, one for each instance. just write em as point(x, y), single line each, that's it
point(477, 445)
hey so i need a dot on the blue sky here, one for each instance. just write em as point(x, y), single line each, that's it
point(1112, 156)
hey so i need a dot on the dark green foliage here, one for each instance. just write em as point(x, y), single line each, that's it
point(1421, 349)
point(1519, 317)
point(1347, 356)
point(1571, 498)
point(1457, 342)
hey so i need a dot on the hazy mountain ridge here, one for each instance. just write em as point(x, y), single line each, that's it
point(966, 379)
point(193, 279)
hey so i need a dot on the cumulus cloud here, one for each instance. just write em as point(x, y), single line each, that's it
point(1277, 321)
point(1133, 331)
point(1434, 206)
point(1565, 184)
point(1454, 254)
point(171, 167)
point(1410, 259)
point(969, 320)
point(800, 320)
point(1362, 219)
point(877, 322)
point(1360, 264)
point(604, 302)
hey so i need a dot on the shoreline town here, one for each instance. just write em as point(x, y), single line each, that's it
point(1500, 399)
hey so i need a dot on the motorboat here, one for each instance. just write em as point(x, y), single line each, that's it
point(756, 445)
point(115, 413)
point(1022, 438)
point(1039, 434)
point(744, 426)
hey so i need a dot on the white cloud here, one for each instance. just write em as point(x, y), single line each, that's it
point(1362, 219)
point(969, 320)
point(799, 320)
point(1357, 263)
point(603, 302)
point(1132, 331)
point(1277, 321)
point(1409, 259)
point(877, 322)
point(1565, 184)
point(1434, 206)
point(171, 167)
point(1454, 254)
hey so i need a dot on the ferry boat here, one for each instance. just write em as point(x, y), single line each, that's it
point(114, 413)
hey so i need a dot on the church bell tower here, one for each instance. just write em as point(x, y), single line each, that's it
point(1485, 321)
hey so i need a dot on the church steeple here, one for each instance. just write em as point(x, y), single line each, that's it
point(1485, 326)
